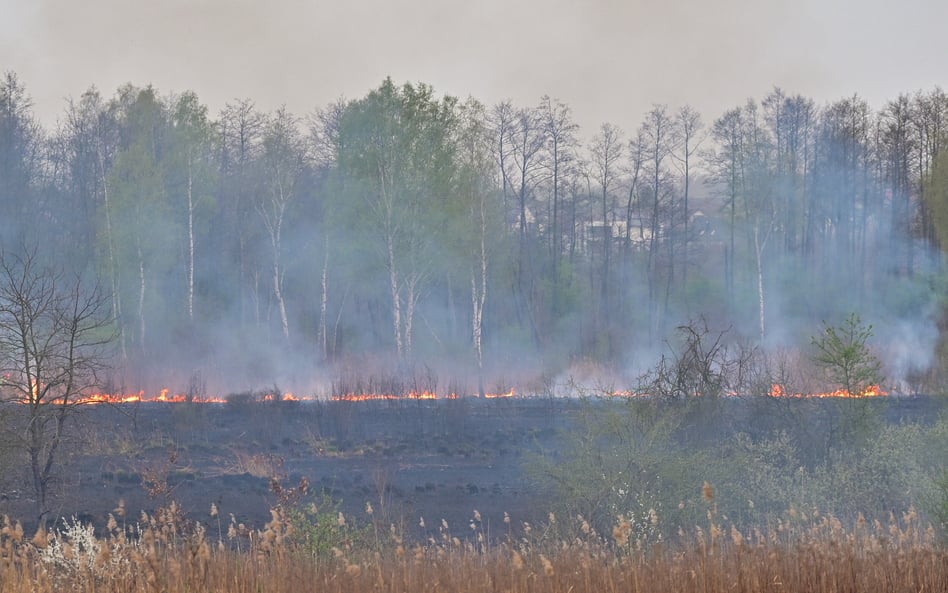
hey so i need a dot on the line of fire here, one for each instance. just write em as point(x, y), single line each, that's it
point(167, 396)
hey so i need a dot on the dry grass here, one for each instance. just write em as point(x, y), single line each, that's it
point(162, 553)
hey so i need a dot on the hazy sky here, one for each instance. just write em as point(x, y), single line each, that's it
point(610, 60)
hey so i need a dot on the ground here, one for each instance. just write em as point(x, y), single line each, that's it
point(409, 459)
point(437, 460)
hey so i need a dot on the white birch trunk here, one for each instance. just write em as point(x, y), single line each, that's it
point(323, 302)
point(396, 298)
point(141, 298)
point(190, 239)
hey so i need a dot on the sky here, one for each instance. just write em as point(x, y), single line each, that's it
point(609, 60)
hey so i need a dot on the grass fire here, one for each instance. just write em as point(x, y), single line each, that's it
point(408, 341)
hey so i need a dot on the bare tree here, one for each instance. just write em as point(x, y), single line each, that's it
point(561, 148)
point(897, 145)
point(690, 127)
point(241, 132)
point(726, 165)
point(606, 151)
point(502, 129)
point(659, 135)
point(89, 137)
point(529, 139)
point(54, 334)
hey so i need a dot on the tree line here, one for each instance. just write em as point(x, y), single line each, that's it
point(414, 228)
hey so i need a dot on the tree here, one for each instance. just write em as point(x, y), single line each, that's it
point(606, 152)
point(936, 197)
point(283, 162)
point(897, 144)
point(689, 126)
point(659, 140)
point(477, 228)
point(193, 166)
point(840, 208)
point(561, 147)
point(139, 214)
point(241, 128)
point(54, 334)
point(844, 355)
point(930, 120)
point(20, 158)
point(396, 148)
point(324, 130)
point(726, 165)
point(758, 193)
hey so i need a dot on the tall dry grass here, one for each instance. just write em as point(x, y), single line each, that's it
point(163, 553)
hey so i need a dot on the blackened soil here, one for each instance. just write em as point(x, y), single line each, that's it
point(411, 460)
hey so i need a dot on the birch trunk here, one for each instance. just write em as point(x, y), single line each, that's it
point(190, 239)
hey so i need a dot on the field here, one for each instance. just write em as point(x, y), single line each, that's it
point(410, 459)
point(407, 496)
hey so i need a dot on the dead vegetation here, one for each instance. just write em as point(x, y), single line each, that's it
point(164, 552)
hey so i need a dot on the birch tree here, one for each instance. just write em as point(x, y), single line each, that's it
point(282, 163)
point(396, 146)
point(139, 213)
point(476, 183)
point(194, 166)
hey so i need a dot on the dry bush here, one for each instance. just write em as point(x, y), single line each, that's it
point(161, 552)
point(258, 465)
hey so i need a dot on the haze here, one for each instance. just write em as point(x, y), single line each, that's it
point(609, 60)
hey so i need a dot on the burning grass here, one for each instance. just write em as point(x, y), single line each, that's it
point(162, 552)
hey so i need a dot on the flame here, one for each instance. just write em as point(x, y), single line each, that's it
point(165, 396)
point(510, 393)
point(365, 397)
point(778, 390)
point(626, 393)
point(411, 395)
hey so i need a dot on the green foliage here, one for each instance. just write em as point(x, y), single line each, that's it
point(626, 459)
point(321, 529)
point(936, 197)
point(844, 355)
point(940, 504)
point(622, 462)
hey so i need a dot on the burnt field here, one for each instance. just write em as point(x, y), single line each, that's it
point(409, 459)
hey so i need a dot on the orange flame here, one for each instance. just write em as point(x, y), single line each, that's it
point(510, 393)
point(411, 395)
point(778, 390)
point(164, 395)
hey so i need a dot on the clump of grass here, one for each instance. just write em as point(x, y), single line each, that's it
point(163, 552)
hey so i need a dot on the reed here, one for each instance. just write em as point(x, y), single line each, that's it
point(165, 553)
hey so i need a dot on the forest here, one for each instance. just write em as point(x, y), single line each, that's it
point(490, 246)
